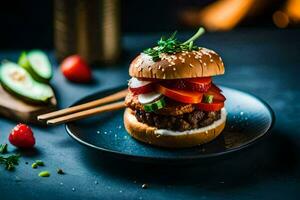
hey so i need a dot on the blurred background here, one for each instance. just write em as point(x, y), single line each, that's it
point(25, 21)
point(54, 24)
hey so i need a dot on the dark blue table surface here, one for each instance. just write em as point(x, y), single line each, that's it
point(263, 62)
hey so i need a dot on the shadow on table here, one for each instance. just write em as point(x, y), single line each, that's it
point(30, 153)
point(271, 157)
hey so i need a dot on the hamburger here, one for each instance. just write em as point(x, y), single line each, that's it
point(172, 100)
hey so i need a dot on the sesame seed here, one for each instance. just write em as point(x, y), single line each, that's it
point(211, 60)
point(173, 57)
point(163, 56)
point(163, 69)
point(204, 64)
point(159, 67)
point(191, 65)
point(174, 68)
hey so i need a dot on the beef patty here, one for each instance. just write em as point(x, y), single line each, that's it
point(172, 107)
point(187, 121)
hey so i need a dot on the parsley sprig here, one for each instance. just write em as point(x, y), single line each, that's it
point(171, 45)
point(10, 161)
point(3, 148)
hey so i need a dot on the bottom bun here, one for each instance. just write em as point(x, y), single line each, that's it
point(172, 139)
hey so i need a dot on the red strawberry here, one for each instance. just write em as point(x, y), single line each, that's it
point(22, 136)
point(76, 69)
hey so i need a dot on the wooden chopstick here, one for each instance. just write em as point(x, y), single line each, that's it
point(86, 113)
point(85, 106)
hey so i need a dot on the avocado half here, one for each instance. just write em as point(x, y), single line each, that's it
point(17, 81)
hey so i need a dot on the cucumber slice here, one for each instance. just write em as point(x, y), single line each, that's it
point(208, 98)
point(18, 82)
point(37, 64)
point(160, 103)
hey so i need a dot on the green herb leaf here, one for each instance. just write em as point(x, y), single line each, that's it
point(200, 31)
point(3, 148)
point(171, 45)
point(10, 161)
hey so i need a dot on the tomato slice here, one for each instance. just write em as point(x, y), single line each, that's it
point(141, 90)
point(215, 106)
point(199, 84)
point(215, 88)
point(191, 84)
point(180, 95)
point(199, 81)
point(216, 92)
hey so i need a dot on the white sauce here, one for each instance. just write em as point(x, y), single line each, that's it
point(193, 131)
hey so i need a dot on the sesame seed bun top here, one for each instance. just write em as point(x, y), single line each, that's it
point(192, 64)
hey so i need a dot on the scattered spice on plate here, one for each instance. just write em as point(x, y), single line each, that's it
point(39, 163)
point(145, 186)
point(60, 171)
point(34, 165)
point(44, 174)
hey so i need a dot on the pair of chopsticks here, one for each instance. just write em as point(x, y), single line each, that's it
point(85, 110)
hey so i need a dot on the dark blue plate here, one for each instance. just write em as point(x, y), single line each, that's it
point(248, 120)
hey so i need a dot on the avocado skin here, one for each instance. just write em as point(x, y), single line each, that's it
point(25, 99)
point(23, 62)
